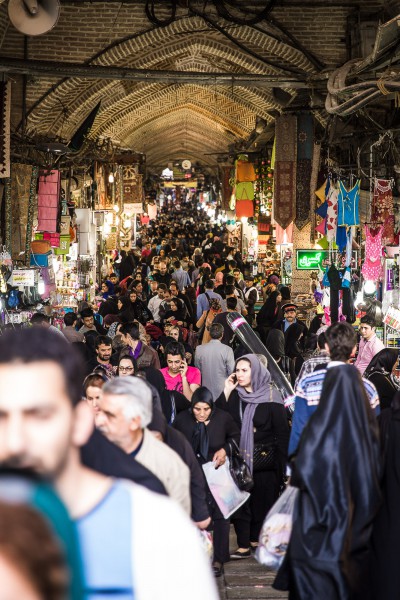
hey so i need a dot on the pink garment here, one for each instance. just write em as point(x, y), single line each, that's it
point(372, 268)
point(367, 351)
point(332, 213)
point(193, 375)
point(280, 234)
point(48, 200)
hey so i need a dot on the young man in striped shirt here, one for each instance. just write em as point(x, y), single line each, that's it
point(341, 344)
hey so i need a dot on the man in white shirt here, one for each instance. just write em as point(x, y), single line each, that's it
point(155, 302)
point(44, 423)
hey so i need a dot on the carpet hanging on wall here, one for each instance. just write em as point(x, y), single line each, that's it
point(285, 169)
point(305, 144)
point(5, 120)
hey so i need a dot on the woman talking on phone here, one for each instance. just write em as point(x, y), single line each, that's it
point(257, 408)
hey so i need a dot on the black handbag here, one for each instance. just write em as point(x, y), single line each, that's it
point(265, 457)
point(239, 469)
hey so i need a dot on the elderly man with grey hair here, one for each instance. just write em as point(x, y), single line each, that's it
point(125, 411)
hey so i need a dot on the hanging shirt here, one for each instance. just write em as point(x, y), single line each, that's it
point(348, 201)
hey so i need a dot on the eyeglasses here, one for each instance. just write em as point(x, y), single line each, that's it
point(125, 369)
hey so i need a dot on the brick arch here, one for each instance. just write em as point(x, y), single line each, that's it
point(78, 94)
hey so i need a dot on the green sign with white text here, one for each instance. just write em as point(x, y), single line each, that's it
point(310, 260)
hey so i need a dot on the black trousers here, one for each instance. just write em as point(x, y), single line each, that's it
point(220, 528)
point(249, 518)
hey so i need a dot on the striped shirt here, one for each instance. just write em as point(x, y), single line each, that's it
point(307, 397)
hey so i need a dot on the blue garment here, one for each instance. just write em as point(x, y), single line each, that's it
point(286, 324)
point(348, 201)
point(308, 393)
point(182, 278)
point(105, 535)
point(203, 304)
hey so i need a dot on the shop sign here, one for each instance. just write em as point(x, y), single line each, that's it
point(311, 260)
point(23, 277)
point(133, 208)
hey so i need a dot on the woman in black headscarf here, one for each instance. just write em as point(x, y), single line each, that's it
point(172, 402)
point(257, 408)
point(380, 373)
point(337, 470)
point(268, 314)
point(209, 430)
point(385, 556)
point(133, 309)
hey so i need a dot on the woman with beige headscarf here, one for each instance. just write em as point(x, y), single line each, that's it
point(206, 320)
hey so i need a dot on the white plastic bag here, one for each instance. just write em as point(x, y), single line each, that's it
point(276, 530)
point(224, 490)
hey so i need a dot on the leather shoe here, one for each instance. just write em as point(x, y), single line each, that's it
point(238, 554)
point(218, 569)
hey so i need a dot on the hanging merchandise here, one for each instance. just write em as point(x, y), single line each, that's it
point(348, 201)
point(48, 200)
point(285, 170)
point(321, 228)
point(332, 212)
point(244, 171)
point(305, 143)
point(382, 208)
point(372, 267)
point(5, 123)
point(244, 208)
point(245, 191)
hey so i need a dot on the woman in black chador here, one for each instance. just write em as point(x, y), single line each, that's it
point(337, 469)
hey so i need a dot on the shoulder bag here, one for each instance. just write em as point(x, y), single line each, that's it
point(239, 469)
point(265, 455)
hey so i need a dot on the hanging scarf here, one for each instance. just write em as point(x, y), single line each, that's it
point(262, 392)
point(135, 353)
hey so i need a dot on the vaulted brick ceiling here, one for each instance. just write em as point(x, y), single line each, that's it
point(168, 120)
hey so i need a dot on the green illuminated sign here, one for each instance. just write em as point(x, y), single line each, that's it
point(310, 259)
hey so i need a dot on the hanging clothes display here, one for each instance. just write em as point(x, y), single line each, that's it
point(348, 202)
point(372, 268)
point(332, 212)
point(382, 208)
point(48, 200)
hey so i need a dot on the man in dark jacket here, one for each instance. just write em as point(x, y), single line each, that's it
point(293, 329)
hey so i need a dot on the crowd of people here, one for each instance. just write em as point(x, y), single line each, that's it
point(147, 385)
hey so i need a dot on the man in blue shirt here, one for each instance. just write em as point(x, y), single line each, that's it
point(203, 300)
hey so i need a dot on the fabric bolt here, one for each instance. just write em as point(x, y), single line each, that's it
point(21, 179)
point(285, 170)
point(305, 143)
point(372, 267)
point(5, 125)
point(348, 205)
point(226, 186)
point(382, 208)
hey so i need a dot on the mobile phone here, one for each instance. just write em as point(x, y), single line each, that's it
point(234, 378)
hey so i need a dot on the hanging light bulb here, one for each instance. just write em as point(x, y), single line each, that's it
point(127, 223)
point(111, 178)
point(244, 220)
point(369, 288)
point(41, 286)
point(116, 208)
